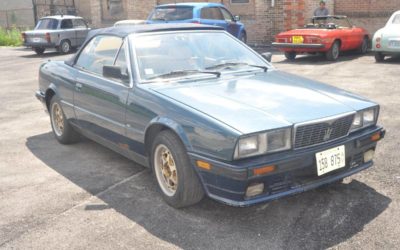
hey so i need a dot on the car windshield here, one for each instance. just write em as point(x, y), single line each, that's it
point(329, 22)
point(172, 13)
point(194, 53)
point(47, 24)
point(396, 19)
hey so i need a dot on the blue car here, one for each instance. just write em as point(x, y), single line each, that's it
point(207, 114)
point(200, 13)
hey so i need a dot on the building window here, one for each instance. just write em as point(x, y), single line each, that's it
point(240, 1)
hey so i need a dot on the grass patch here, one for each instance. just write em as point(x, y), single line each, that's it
point(11, 37)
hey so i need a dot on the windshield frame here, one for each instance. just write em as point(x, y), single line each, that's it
point(136, 69)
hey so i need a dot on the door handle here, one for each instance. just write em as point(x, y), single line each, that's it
point(78, 87)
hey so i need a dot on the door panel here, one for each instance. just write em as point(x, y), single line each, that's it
point(232, 26)
point(68, 31)
point(81, 31)
point(100, 103)
point(213, 16)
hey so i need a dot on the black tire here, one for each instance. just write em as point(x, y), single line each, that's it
point(67, 134)
point(290, 55)
point(379, 57)
point(65, 47)
point(188, 188)
point(39, 51)
point(333, 52)
point(364, 46)
point(243, 37)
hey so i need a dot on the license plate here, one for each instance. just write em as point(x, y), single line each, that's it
point(297, 39)
point(394, 44)
point(330, 160)
point(36, 39)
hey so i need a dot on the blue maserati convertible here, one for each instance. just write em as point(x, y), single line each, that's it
point(208, 114)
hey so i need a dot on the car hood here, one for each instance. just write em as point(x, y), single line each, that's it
point(264, 101)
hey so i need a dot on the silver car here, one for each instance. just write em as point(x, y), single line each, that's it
point(62, 32)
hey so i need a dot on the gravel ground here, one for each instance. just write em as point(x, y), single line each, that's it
point(82, 196)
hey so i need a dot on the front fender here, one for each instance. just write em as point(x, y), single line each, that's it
point(172, 125)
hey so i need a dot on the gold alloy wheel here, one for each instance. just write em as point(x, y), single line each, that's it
point(57, 119)
point(165, 169)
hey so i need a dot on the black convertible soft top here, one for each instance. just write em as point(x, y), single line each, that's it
point(123, 31)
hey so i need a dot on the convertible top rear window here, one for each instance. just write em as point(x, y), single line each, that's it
point(172, 13)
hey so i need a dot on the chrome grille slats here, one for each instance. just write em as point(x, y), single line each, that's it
point(314, 133)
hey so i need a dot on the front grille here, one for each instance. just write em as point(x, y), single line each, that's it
point(324, 131)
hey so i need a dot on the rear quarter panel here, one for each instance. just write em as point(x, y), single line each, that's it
point(59, 78)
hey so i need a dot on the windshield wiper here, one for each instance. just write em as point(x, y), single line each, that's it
point(178, 73)
point(233, 64)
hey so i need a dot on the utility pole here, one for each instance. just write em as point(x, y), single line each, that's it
point(34, 11)
point(8, 27)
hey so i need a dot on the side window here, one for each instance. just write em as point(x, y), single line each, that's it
point(227, 15)
point(100, 51)
point(66, 24)
point(211, 13)
point(79, 23)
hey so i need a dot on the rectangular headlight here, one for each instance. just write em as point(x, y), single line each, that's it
point(271, 141)
point(278, 140)
point(250, 145)
point(368, 117)
point(364, 118)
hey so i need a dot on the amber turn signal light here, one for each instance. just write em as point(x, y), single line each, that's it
point(376, 136)
point(203, 165)
point(264, 170)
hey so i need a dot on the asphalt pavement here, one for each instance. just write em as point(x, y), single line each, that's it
point(83, 196)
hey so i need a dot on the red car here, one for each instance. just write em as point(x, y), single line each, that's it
point(326, 34)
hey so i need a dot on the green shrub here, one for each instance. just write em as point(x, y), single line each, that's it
point(11, 37)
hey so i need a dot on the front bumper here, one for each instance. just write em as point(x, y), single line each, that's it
point(296, 171)
point(298, 46)
point(42, 98)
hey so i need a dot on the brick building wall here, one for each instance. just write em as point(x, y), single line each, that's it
point(370, 14)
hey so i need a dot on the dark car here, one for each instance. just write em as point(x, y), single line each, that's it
point(208, 114)
point(200, 13)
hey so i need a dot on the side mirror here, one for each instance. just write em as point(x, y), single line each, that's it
point(236, 18)
point(267, 56)
point(114, 72)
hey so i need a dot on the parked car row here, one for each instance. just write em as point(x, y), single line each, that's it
point(66, 33)
point(329, 35)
